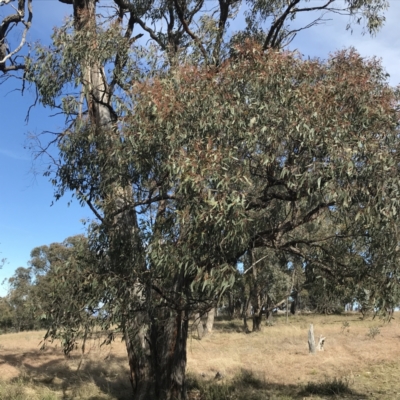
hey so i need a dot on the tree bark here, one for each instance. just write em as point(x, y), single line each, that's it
point(257, 322)
point(138, 362)
point(246, 312)
point(210, 320)
point(293, 304)
point(168, 345)
point(256, 301)
point(157, 357)
point(231, 305)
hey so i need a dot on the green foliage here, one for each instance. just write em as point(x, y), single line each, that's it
point(6, 315)
point(20, 300)
point(215, 153)
point(62, 270)
point(267, 151)
point(42, 295)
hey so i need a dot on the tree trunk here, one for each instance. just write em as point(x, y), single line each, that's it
point(257, 322)
point(268, 311)
point(169, 359)
point(246, 312)
point(293, 304)
point(287, 309)
point(210, 320)
point(155, 337)
point(231, 305)
point(157, 357)
point(256, 298)
point(198, 324)
point(138, 360)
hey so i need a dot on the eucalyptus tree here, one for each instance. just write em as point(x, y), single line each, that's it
point(270, 277)
point(56, 270)
point(208, 144)
point(265, 151)
point(6, 315)
point(20, 300)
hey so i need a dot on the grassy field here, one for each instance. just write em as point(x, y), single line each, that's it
point(361, 361)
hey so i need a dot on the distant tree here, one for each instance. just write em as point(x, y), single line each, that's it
point(59, 269)
point(270, 281)
point(20, 299)
point(6, 315)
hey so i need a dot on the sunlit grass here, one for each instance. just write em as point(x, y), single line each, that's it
point(227, 364)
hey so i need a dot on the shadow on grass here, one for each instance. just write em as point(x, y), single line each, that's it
point(95, 379)
point(224, 324)
point(251, 386)
point(105, 379)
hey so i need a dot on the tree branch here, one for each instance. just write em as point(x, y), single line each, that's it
point(184, 23)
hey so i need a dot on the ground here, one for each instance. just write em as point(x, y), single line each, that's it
point(361, 361)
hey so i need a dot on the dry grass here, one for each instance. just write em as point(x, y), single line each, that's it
point(26, 372)
point(272, 364)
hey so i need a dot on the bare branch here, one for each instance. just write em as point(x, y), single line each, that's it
point(18, 17)
point(185, 25)
point(149, 201)
point(277, 26)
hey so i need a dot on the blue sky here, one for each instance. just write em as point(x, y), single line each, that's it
point(27, 218)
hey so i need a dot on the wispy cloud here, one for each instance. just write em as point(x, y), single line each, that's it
point(13, 155)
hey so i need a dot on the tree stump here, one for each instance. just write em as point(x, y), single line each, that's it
point(311, 340)
point(321, 343)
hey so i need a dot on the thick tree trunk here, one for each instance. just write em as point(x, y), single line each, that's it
point(257, 322)
point(157, 357)
point(138, 359)
point(169, 360)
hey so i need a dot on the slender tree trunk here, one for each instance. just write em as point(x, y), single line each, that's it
point(293, 304)
point(246, 313)
point(268, 311)
point(256, 300)
point(210, 320)
point(198, 324)
point(287, 309)
point(231, 305)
